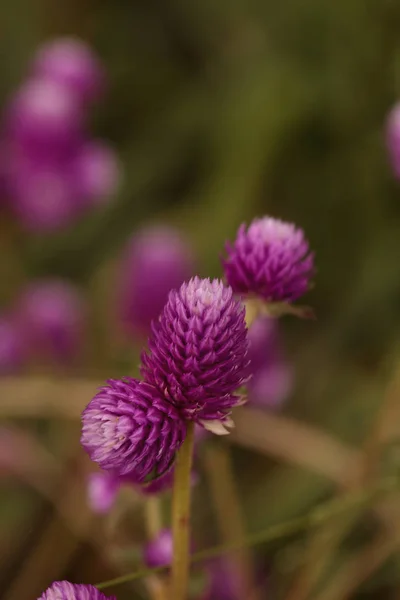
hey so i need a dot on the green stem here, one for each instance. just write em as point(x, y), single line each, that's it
point(321, 514)
point(181, 517)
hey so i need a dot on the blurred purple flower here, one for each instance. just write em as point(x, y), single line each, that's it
point(42, 195)
point(102, 489)
point(52, 313)
point(270, 259)
point(393, 139)
point(159, 551)
point(271, 386)
point(64, 590)
point(197, 354)
point(264, 343)
point(130, 429)
point(71, 62)
point(44, 119)
point(272, 376)
point(12, 347)
point(223, 580)
point(156, 260)
point(96, 172)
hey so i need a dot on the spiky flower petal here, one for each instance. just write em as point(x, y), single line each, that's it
point(129, 427)
point(270, 259)
point(197, 354)
point(64, 590)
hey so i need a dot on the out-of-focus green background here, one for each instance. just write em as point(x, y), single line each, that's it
point(222, 111)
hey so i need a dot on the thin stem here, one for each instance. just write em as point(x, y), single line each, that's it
point(229, 515)
point(153, 516)
point(156, 585)
point(321, 514)
point(181, 517)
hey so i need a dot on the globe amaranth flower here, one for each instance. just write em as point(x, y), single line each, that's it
point(129, 428)
point(64, 590)
point(197, 354)
point(270, 259)
point(156, 260)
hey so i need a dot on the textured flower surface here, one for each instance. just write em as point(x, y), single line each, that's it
point(129, 428)
point(270, 259)
point(197, 354)
point(64, 590)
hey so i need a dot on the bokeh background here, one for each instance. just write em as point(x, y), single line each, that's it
point(220, 112)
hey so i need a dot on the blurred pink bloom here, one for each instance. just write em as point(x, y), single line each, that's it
point(223, 581)
point(159, 551)
point(102, 489)
point(12, 347)
point(272, 376)
point(156, 260)
point(71, 62)
point(42, 195)
point(52, 313)
point(393, 139)
point(97, 173)
point(44, 118)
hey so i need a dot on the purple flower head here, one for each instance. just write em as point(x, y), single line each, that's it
point(97, 173)
point(197, 354)
point(159, 551)
point(52, 313)
point(156, 260)
point(64, 590)
point(393, 139)
point(44, 118)
point(12, 347)
point(71, 62)
point(270, 259)
point(129, 428)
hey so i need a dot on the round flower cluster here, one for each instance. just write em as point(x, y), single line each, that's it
point(46, 323)
point(52, 171)
point(270, 259)
point(196, 361)
point(64, 590)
